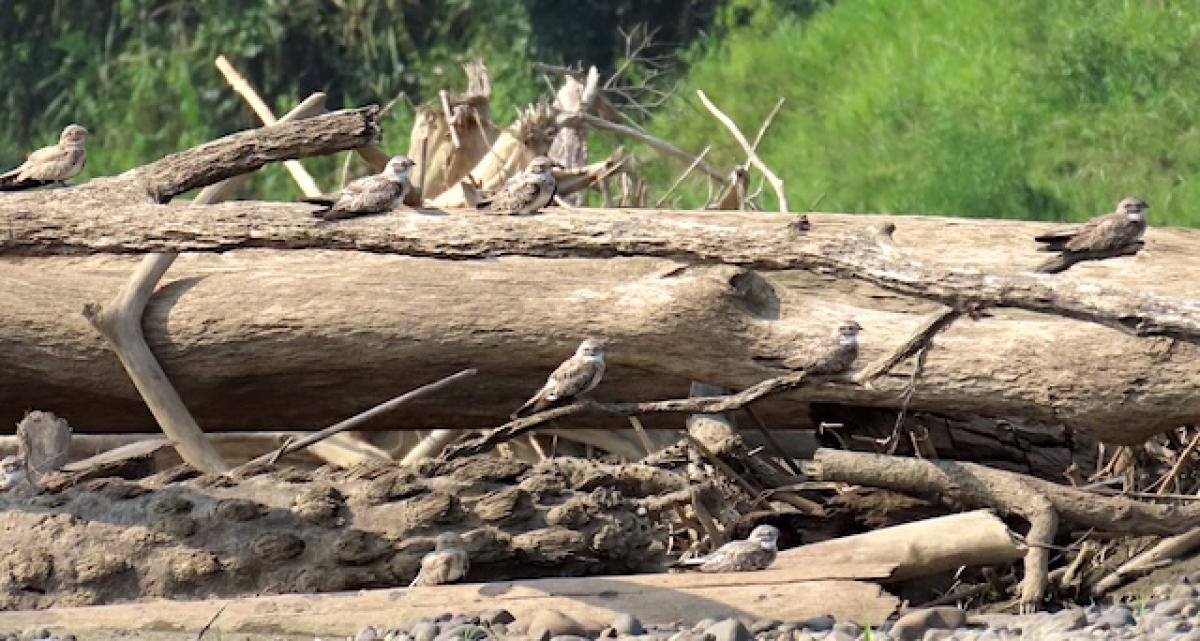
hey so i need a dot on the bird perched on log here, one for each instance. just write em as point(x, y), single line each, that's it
point(53, 164)
point(528, 191)
point(447, 563)
point(370, 194)
point(757, 552)
point(1105, 236)
point(577, 375)
point(833, 354)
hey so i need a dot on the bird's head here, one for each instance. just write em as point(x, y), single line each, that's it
point(847, 332)
point(1134, 208)
point(397, 168)
point(765, 535)
point(73, 134)
point(447, 541)
point(591, 348)
point(542, 165)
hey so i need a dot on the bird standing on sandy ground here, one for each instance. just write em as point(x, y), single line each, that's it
point(1101, 237)
point(53, 164)
point(447, 563)
point(832, 354)
point(370, 194)
point(757, 552)
point(576, 375)
point(527, 192)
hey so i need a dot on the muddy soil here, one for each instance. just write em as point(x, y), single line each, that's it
point(105, 540)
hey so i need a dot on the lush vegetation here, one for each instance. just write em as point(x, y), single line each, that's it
point(1019, 109)
point(1016, 109)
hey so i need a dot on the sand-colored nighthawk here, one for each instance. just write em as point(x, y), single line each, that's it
point(53, 164)
point(1101, 237)
point(757, 552)
point(831, 354)
point(527, 192)
point(577, 375)
point(447, 563)
point(370, 194)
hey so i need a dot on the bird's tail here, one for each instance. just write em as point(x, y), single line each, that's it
point(532, 405)
point(1055, 265)
point(9, 182)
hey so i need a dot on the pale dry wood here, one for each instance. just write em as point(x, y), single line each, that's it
point(1163, 553)
point(679, 181)
point(120, 322)
point(922, 548)
point(751, 154)
point(791, 594)
point(45, 443)
point(310, 107)
point(304, 180)
point(609, 267)
point(1040, 502)
point(431, 445)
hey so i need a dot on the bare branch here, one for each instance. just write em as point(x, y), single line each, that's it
point(751, 154)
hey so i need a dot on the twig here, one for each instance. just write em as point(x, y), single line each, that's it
point(1160, 555)
point(751, 154)
point(431, 445)
point(300, 175)
point(915, 343)
point(1178, 466)
point(362, 417)
point(641, 432)
point(720, 465)
point(766, 124)
point(211, 621)
point(657, 143)
point(773, 442)
point(694, 405)
point(444, 96)
point(679, 181)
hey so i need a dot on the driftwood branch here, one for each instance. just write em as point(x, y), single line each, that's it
point(751, 154)
point(245, 152)
point(120, 322)
point(359, 419)
point(694, 405)
point(238, 82)
point(1040, 502)
point(657, 143)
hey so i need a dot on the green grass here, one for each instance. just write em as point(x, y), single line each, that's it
point(1018, 109)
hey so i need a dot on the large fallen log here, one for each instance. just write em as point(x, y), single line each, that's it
point(794, 594)
point(260, 339)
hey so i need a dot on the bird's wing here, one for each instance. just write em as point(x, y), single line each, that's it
point(369, 195)
point(439, 568)
point(728, 557)
point(574, 376)
point(514, 196)
point(1102, 234)
point(52, 163)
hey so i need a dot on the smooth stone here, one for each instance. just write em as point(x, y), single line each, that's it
point(938, 634)
point(823, 623)
point(496, 616)
point(847, 627)
point(547, 624)
point(1116, 617)
point(704, 624)
point(729, 630)
point(443, 617)
point(912, 626)
point(1171, 607)
point(838, 635)
point(1175, 627)
point(763, 625)
point(625, 624)
point(1183, 591)
point(367, 634)
point(499, 629)
point(569, 637)
point(425, 631)
point(1062, 621)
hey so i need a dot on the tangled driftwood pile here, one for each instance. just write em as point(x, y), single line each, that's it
point(980, 383)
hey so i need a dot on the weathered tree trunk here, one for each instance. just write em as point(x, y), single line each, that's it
point(258, 339)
